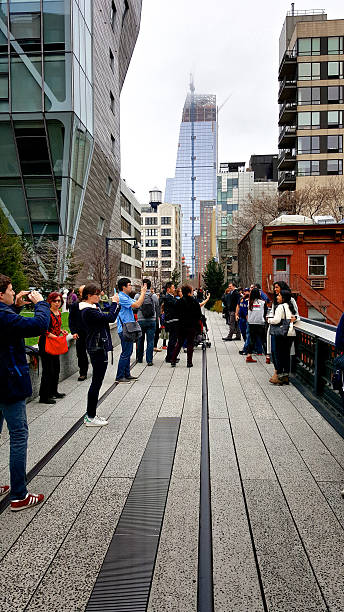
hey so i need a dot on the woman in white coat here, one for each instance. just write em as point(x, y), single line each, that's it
point(285, 310)
point(278, 287)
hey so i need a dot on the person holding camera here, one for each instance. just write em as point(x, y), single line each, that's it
point(128, 305)
point(148, 319)
point(15, 383)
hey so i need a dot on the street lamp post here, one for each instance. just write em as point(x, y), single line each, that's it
point(107, 271)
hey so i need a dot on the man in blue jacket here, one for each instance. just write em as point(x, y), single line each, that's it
point(15, 383)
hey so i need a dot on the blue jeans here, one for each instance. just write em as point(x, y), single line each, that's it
point(15, 416)
point(123, 369)
point(148, 329)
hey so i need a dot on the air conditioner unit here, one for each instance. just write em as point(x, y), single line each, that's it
point(318, 283)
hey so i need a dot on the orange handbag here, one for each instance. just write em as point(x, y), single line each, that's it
point(56, 346)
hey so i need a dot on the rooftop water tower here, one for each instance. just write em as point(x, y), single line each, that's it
point(155, 198)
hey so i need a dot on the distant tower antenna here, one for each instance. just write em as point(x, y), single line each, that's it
point(192, 85)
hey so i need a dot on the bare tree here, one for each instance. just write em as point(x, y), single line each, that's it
point(97, 268)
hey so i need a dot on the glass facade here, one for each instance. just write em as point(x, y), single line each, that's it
point(195, 176)
point(46, 114)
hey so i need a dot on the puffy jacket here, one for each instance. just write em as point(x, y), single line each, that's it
point(15, 382)
point(170, 308)
point(188, 312)
point(96, 324)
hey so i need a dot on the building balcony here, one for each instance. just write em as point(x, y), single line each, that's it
point(287, 113)
point(287, 159)
point(287, 137)
point(287, 67)
point(286, 181)
point(287, 90)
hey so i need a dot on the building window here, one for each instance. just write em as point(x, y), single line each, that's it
point(165, 263)
point(151, 232)
point(308, 120)
point(165, 253)
point(108, 186)
point(165, 220)
point(316, 265)
point(126, 248)
point(335, 119)
point(112, 102)
point(335, 143)
point(166, 243)
point(335, 94)
point(125, 269)
point(137, 235)
point(151, 253)
point(308, 95)
point(151, 243)
point(137, 253)
point(151, 221)
point(308, 168)
point(3, 78)
point(112, 61)
point(334, 166)
point(309, 46)
point(25, 26)
point(137, 216)
point(100, 226)
point(308, 71)
point(165, 232)
point(335, 70)
point(308, 144)
point(125, 204)
point(113, 144)
point(150, 264)
point(137, 272)
point(335, 45)
point(125, 226)
point(113, 15)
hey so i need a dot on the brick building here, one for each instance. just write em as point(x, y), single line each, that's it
point(306, 255)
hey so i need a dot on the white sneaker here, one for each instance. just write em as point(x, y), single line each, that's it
point(95, 422)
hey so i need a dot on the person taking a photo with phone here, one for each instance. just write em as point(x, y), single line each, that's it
point(128, 305)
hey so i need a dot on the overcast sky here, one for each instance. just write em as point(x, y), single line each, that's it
point(232, 50)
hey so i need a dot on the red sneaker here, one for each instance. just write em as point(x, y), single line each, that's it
point(250, 360)
point(31, 499)
point(4, 489)
point(267, 360)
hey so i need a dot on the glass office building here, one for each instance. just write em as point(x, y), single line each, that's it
point(195, 176)
point(46, 114)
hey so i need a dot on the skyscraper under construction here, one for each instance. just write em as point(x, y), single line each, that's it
point(195, 176)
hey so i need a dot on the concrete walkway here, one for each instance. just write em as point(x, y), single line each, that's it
point(276, 466)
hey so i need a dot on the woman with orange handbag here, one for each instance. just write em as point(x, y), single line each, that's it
point(51, 346)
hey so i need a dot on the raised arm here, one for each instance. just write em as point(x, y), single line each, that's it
point(138, 302)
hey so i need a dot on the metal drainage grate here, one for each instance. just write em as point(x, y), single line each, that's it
point(125, 577)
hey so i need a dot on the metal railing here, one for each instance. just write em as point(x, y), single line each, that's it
point(307, 12)
point(285, 82)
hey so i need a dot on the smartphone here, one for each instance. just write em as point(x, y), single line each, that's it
point(114, 291)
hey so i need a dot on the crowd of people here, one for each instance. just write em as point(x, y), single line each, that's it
point(174, 316)
point(267, 327)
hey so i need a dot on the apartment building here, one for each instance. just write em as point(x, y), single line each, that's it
point(130, 264)
point(311, 99)
point(161, 239)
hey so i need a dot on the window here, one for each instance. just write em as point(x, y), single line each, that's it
point(335, 119)
point(151, 221)
point(335, 45)
point(151, 232)
point(308, 168)
point(3, 78)
point(308, 71)
point(125, 248)
point(335, 143)
point(137, 253)
point(137, 235)
point(125, 226)
point(113, 15)
point(125, 204)
point(309, 46)
point(125, 269)
point(137, 272)
point(308, 144)
point(137, 216)
point(26, 26)
point(112, 103)
point(281, 264)
point(113, 144)
point(100, 226)
point(166, 243)
point(151, 243)
point(165, 253)
point(150, 253)
point(308, 95)
point(112, 61)
point(150, 264)
point(316, 265)
point(334, 166)
point(165, 232)
point(165, 220)
point(108, 186)
point(165, 263)
point(335, 94)
point(308, 120)
point(335, 70)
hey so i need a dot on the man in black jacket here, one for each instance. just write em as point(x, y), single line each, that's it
point(15, 383)
point(171, 319)
point(79, 334)
point(231, 301)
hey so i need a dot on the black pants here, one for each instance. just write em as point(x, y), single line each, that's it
point(50, 375)
point(82, 355)
point(172, 329)
point(99, 360)
point(256, 332)
point(157, 334)
point(188, 334)
point(282, 353)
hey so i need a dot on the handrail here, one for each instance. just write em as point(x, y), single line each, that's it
point(309, 326)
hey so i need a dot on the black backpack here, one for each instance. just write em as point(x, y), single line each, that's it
point(147, 308)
